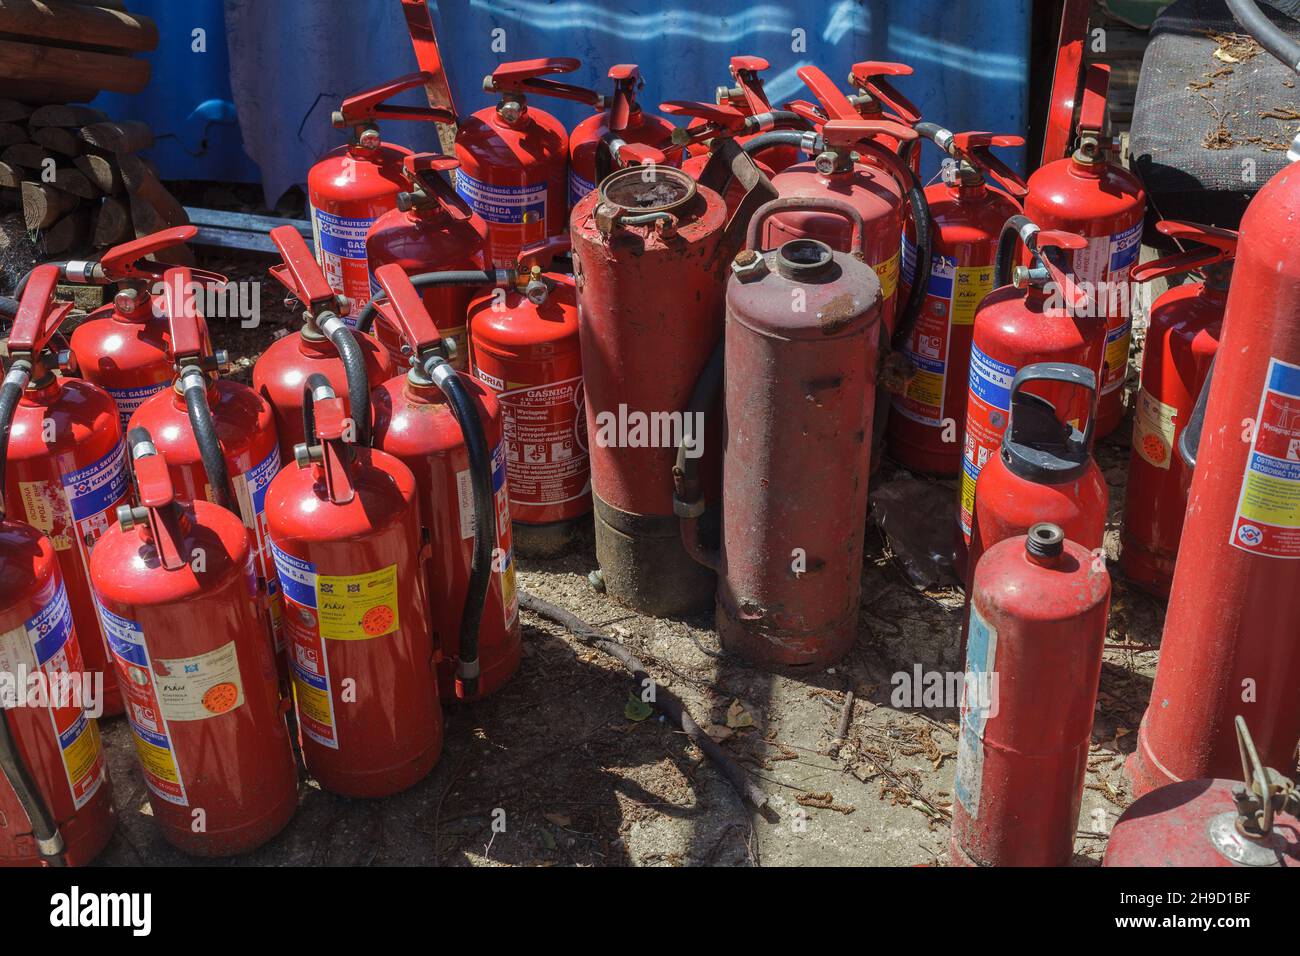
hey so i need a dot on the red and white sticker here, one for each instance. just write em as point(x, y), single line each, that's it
point(1268, 510)
point(546, 447)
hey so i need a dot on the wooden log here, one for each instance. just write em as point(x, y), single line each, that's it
point(66, 114)
point(11, 111)
point(75, 24)
point(11, 176)
point(40, 92)
point(36, 64)
point(102, 170)
point(12, 133)
point(28, 155)
point(68, 233)
point(128, 136)
point(146, 219)
point(58, 140)
point(73, 181)
point(141, 181)
point(44, 205)
point(112, 223)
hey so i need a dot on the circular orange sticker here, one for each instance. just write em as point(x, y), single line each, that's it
point(221, 698)
point(1154, 448)
point(378, 620)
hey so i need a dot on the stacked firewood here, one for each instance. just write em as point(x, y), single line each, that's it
point(72, 171)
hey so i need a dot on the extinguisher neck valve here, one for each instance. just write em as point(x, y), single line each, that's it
point(833, 160)
point(1045, 542)
point(512, 108)
point(305, 455)
point(129, 517)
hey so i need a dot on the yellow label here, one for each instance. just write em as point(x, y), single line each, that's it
point(200, 687)
point(926, 387)
point(157, 761)
point(967, 496)
point(969, 287)
point(357, 607)
point(313, 703)
point(81, 756)
point(887, 272)
point(1271, 500)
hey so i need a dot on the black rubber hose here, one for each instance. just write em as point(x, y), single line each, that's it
point(434, 280)
point(8, 306)
point(205, 436)
point(1255, 22)
point(770, 140)
point(10, 393)
point(785, 120)
point(1008, 247)
point(21, 287)
point(703, 395)
point(468, 416)
point(44, 827)
point(924, 225)
point(354, 367)
point(314, 382)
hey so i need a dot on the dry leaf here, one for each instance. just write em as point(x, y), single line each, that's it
point(718, 732)
point(738, 716)
point(559, 819)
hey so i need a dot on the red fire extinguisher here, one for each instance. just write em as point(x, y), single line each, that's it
point(1036, 314)
point(878, 98)
point(1033, 661)
point(789, 569)
point(122, 347)
point(65, 462)
point(1254, 821)
point(176, 589)
point(527, 353)
point(649, 249)
point(1229, 644)
point(748, 99)
point(352, 186)
point(345, 534)
point(447, 428)
point(597, 143)
point(1044, 471)
point(217, 436)
point(55, 797)
point(967, 215)
point(513, 157)
point(1181, 342)
point(713, 123)
point(1105, 203)
point(431, 230)
point(348, 359)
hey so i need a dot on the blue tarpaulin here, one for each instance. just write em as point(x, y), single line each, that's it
point(292, 62)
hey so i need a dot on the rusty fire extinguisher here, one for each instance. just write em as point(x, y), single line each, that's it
point(1230, 638)
point(1254, 821)
point(967, 214)
point(176, 588)
point(431, 230)
point(345, 533)
point(1044, 470)
point(217, 436)
point(649, 247)
point(597, 144)
point(789, 569)
point(350, 360)
point(514, 157)
point(122, 347)
point(749, 100)
point(1102, 201)
point(55, 796)
point(65, 461)
point(350, 187)
point(1035, 314)
point(1181, 341)
point(447, 428)
point(526, 351)
point(1033, 662)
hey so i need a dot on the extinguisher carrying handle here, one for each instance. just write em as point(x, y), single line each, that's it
point(869, 78)
point(827, 204)
point(1047, 247)
point(837, 108)
point(1075, 445)
point(975, 148)
point(525, 76)
point(39, 315)
point(130, 261)
point(424, 171)
point(159, 509)
point(1096, 88)
point(191, 342)
point(371, 104)
point(1218, 246)
point(748, 93)
point(620, 107)
point(407, 311)
point(324, 418)
point(720, 121)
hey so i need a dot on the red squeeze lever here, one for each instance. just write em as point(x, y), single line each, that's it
point(422, 170)
point(1217, 245)
point(191, 341)
point(975, 148)
point(371, 104)
point(300, 273)
point(745, 70)
point(405, 308)
point(1068, 241)
point(836, 108)
point(128, 261)
point(868, 77)
point(1092, 114)
point(720, 120)
point(157, 495)
point(39, 315)
point(627, 80)
point(524, 76)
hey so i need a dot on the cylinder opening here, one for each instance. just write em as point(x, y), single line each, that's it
point(1045, 541)
point(648, 188)
point(803, 258)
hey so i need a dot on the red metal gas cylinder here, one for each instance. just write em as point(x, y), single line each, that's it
point(1105, 203)
point(352, 186)
point(966, 215)
point(431, 230)
point(1181, 341)
point(65, 467)
point(55, 798)
point(514, 157)
point(350, 360)
point(345, 533)
point(1231, 645)
point(714, 124)
point(123, 346)
point(417, 423)
point(748, 99)
point(649, 253)
point(789, 568)
point(620, 122)
point(1043, 317)
point(177, 591)
point(526, 351)
point(1033, 662)
point(1213, 823)
point(1044, 471)
point(205, 423)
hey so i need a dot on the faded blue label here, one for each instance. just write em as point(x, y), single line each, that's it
point(92, 489)
point(509, 205)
